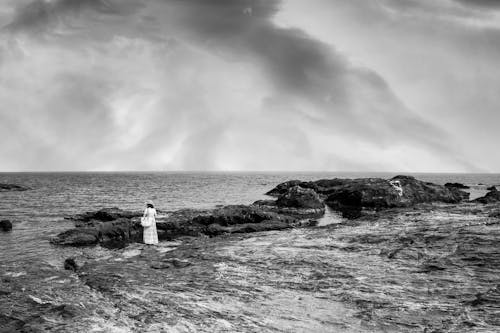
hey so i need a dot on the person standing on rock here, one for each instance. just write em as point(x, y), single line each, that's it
point(148, 221)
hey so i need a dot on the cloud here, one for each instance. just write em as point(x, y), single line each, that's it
point(491, 4)
point(201, 85)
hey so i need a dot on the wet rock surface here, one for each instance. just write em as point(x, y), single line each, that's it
point(429, 268)
point(12, 187)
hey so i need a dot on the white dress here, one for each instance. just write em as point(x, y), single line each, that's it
point(150, 234)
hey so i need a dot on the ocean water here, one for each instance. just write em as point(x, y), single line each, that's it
point(38, 214)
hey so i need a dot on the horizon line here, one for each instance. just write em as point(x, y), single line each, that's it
point(245, 171)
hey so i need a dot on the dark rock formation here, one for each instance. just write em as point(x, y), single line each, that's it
point(349, 196)
point(5, 225)
point(70, 264)
point(116, 228)
point(349, 203)
point(113, 234)
point(296, 201)
point(239, 219)
point(111, 227)
point(457, 185)
point(284, 187)
point(492, 196)
point(102, 215)
point(492, 188)
point(416, 191)
point(322, 186)
point(12, 187)
point(298, 197)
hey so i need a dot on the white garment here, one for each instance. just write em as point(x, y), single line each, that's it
point(150, 233)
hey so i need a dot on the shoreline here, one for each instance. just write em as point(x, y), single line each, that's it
point(401, 269)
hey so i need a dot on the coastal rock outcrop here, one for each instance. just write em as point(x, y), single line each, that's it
point(5, 225)
point(416, 191)
point(298, 197)
point(116, 228)
point(400, 191)
point(350, 196)
point(322, 186)
point(236, 219)
point(102, 215)
point(12, 187)
point(297, 202)
point(111, 227)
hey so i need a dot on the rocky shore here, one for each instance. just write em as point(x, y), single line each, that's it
point(114, 227)
point(297, 204)
point(408, 256)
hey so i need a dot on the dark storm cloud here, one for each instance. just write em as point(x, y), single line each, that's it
point(301, 65)
point(336, 96)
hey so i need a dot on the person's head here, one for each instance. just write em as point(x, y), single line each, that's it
point(150, 204)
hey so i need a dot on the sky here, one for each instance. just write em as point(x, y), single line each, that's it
point(250, 85)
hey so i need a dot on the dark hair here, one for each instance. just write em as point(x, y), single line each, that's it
point(150, 205)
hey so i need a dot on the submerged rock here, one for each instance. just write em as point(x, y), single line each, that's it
point(12, 187)
point(5, 225)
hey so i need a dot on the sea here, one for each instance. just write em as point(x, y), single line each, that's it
point(38, 214)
